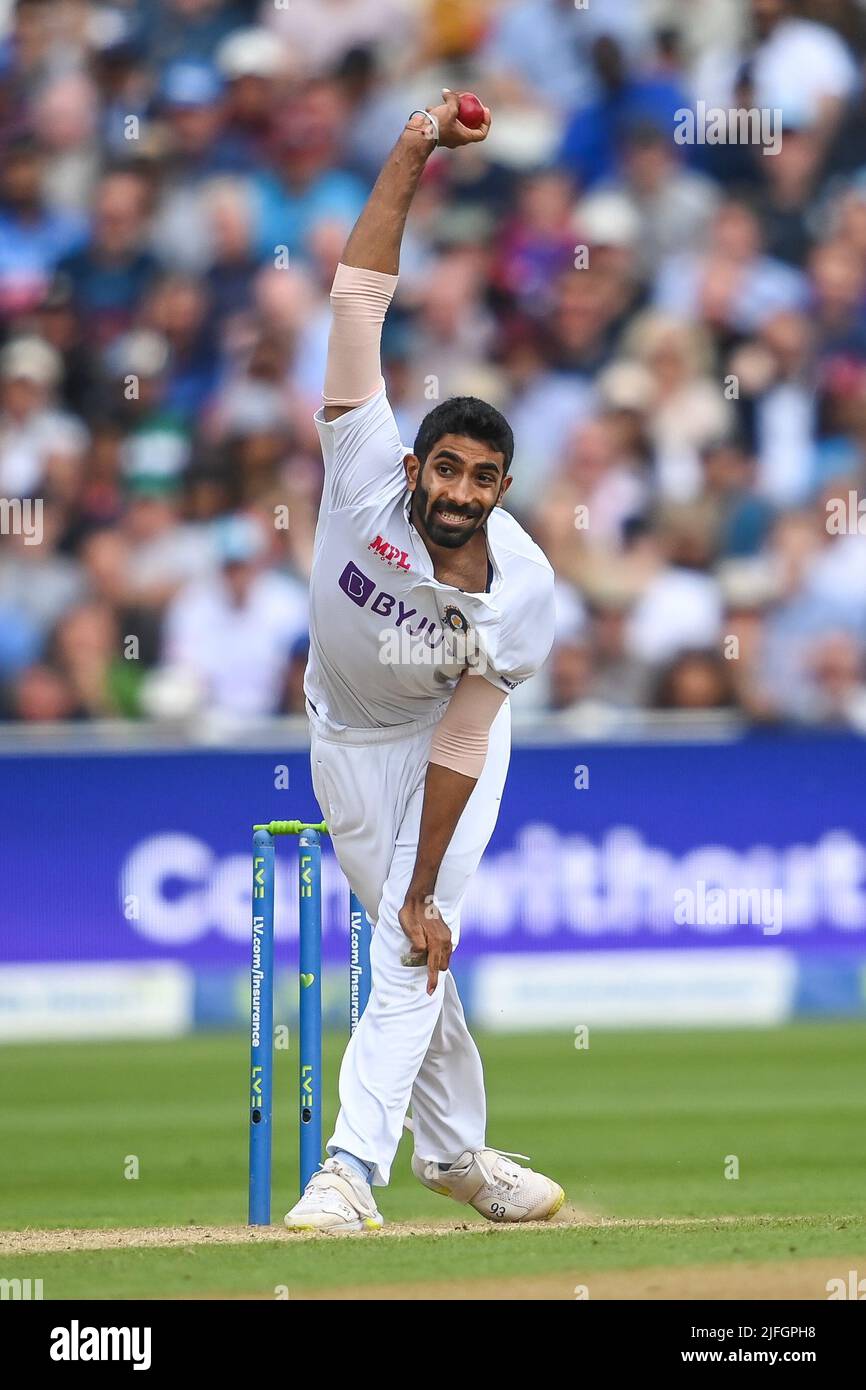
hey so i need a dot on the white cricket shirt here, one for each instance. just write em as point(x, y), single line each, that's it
point(388, 641)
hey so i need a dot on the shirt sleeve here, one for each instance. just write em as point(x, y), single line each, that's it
point(526, 634)
point(362, 452)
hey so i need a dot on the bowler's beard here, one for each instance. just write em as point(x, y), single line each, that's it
point(440, 534)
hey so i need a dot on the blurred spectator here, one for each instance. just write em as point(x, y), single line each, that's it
point(235, 632)
point(258, 69)
point(29, 419)
point(733, 285)
point(34, 237)
point(64, 119)
point(775, 375)
point(537, 244)
point(595, 133)
point(681, 606)
point(688, 409)
point(325, 30)
point(190, 30)
point(741, 520)
point(199, 147)
point(798, 66)
point(697, 680)
point(112, 272)
point(674, 206)
point(86, 650)
point(162, 551)
point(541, 49)
point(305, 188)
point(838, 688)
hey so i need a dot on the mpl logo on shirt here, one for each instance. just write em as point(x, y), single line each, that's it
point(391, 554)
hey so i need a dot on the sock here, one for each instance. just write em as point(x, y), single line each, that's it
point(364, 1170)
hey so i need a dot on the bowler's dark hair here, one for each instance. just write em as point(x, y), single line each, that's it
point(470, 416)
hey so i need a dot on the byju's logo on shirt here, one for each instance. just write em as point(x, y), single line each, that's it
point(360, 589)
point(391, 554)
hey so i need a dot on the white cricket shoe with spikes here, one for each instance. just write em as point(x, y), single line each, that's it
point(499, 1189)
point(335, 1200)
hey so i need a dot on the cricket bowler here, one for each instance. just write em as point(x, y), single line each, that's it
point(429, 604)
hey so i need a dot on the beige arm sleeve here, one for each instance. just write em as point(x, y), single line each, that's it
point(360, 300)
point(462, 734)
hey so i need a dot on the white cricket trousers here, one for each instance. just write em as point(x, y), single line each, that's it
point(409, 1047)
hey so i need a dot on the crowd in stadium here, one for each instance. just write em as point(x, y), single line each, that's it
point(675, 328)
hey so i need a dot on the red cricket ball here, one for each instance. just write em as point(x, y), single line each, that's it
point(470, 111)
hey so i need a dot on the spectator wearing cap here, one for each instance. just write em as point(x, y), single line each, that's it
point(305, 187)
point(163, 551)
point(191, 103)
point(34, 237)
point(259, 70)
point(30, 372)
point(111, 274)
point(235, 631)
point(618, 680)
point(192, 100)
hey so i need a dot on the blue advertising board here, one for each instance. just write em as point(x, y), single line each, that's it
point(141, 856)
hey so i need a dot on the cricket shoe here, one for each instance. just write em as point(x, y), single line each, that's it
point(335, 1200)
point(492, 1184)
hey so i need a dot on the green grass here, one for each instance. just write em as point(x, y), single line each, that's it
point(638, 1125)
point(484, 1253)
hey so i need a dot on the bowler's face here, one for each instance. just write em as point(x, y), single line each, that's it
point(460, 483)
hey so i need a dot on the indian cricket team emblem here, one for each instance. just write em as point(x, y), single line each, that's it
point(455, 621)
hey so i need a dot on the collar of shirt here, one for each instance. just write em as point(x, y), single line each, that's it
point(425, 561)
